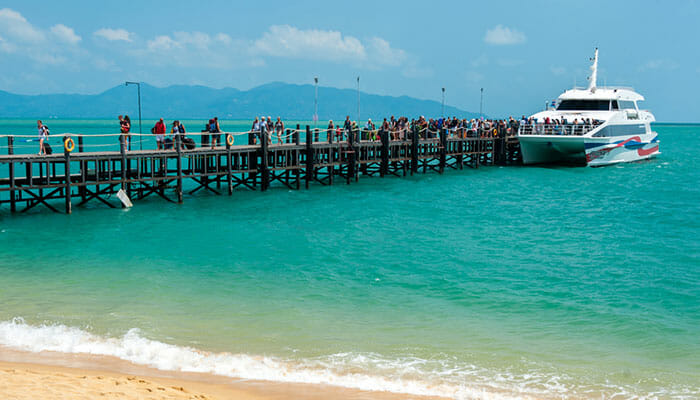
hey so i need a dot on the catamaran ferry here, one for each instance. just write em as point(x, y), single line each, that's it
point(594, 126)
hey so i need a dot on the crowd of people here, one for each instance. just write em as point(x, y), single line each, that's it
point(265, 127)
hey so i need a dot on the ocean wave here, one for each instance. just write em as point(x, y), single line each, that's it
point(370, 372)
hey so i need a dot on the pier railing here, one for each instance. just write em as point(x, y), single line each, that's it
point(101, 169)
point(557, 129)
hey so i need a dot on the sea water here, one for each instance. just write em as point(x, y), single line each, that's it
point(497, 282)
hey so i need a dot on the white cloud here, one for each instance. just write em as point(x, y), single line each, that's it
point(658, 64)
point(162, 43)
point(416, 71)
point(114, 34)
point(14, 25)
point(380, 51)
point(480, 61)
point(5, 46)
point(559, 71)
point(65, 34)
point(501, 35)
point(474, 76)
point(223, 38)
point(291, 42)
point(197, 49)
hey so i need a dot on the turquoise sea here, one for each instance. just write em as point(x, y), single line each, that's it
point(501, 282)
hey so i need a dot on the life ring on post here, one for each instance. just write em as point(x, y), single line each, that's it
point(229, 139)
point(69, 145)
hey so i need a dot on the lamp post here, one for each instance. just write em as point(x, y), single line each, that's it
point(443, 102)
point(315, 101)
point(358, 101)
point(481, 104)
point(138, 87)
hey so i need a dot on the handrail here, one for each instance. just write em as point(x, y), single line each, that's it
point(556, 129)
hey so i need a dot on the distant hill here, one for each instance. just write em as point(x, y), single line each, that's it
point(289, 101)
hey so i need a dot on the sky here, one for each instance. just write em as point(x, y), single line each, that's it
point(522, 53)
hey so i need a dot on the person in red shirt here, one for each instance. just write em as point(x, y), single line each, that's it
point(159, 131)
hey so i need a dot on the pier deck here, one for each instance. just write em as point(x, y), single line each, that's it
point(31, 180)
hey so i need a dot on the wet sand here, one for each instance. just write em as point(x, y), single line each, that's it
point(60, 376)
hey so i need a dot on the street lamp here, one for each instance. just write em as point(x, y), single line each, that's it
point(138, 86)
point(315, 101)
point(443, 102)
point(481, 104)
point(358, 101)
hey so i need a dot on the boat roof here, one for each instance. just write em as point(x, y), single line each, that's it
point(602, 93)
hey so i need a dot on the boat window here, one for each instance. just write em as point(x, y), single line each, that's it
point(584, 105)
point(627, 105)
point(614, 105)
point(621, 130)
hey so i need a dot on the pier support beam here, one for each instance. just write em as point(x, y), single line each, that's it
point(414, 149)
point(384, 166)
point(264, 170)
point(309, 157)
point(178, 149)
point(10, 151)
point(443, 149)
point(66, 172)
point(229, 167)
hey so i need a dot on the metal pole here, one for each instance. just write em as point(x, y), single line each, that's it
point(358, 101)
point(138, 87)
point(481, 104)
point(140, 131)
point(443, 102)
point(315, 101)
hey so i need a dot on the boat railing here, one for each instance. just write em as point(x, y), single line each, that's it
point(556, 129)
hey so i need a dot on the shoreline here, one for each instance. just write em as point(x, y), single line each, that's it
point(44, 375)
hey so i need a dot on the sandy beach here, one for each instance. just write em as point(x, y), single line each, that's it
point(50, 375)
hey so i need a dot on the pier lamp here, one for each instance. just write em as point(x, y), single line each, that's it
point(138, 87)
point(358, 101)
point(315, 101)
point(481, 104)
point(443, 102)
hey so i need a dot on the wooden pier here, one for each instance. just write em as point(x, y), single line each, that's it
point(304, 157)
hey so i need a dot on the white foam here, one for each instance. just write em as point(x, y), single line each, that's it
point(139, 350)
point(351, 370)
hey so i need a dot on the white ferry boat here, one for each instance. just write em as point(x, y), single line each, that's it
point(594, 126)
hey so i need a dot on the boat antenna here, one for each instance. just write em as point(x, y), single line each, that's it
point(594, 72)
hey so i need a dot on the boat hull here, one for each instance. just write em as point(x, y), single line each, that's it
point(625, 149)
point(586, 150)
point(549, 149)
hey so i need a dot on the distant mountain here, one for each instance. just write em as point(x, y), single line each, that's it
point(295, 102)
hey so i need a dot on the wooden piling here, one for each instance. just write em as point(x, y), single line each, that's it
point(414, 149)
point(122, 151)
point(309, 157)
point(384, 165)
point(443, 149)
point(10, 151)
point(229, 168)
point(178, 149)
point(264, 170)
point(66, 173)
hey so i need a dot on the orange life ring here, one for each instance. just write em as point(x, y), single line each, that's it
point(69, 145)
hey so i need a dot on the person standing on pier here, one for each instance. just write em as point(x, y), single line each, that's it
point(347, 127)
point(159, 130)
point(43, 136)
point(214, 129)
point(331, 129)
point(125, 128)
point(270, 128)
point(279, 129)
